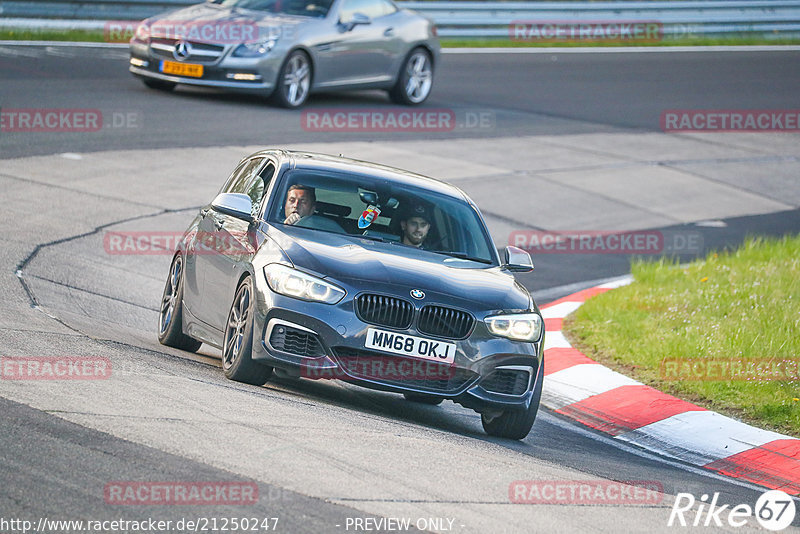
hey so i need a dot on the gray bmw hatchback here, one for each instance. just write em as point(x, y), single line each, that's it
point(325, 267)
point(289, 48)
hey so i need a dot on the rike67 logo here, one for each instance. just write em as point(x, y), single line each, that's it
point(774, 510)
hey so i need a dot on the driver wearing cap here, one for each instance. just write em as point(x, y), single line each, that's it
point(415, 225)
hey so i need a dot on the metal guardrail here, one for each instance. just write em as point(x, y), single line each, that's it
point(768, 18)
point(89, 9)
point(679, 19)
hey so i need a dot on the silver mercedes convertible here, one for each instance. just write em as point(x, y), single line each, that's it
point(289, 49)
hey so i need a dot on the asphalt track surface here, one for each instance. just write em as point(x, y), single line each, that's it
point(320, 452)
point(526, 94)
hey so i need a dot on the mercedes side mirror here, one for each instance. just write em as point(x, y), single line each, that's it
point(358, 19)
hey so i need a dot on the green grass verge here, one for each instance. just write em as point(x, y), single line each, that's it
point(8, 34)
point(742, 305)
point(13, 34)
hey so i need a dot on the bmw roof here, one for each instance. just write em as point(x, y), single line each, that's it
point(312, 160)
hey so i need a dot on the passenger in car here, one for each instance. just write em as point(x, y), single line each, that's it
point(415, 223)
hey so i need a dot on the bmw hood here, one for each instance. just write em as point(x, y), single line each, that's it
point(366, 264)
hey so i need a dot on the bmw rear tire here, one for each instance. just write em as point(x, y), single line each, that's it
point(170, 317)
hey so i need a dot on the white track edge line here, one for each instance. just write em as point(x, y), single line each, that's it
point(622, 49)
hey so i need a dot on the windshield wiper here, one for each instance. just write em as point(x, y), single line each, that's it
point(462, 255)
point(376, 238)
point(370, 237)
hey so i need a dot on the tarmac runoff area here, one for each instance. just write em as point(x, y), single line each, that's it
point(58, 207)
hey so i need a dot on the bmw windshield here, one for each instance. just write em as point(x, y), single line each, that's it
point(380, 210)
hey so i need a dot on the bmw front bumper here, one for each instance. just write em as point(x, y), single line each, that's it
point(315, 340)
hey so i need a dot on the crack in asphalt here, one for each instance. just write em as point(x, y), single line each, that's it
point(90, 292)
point(24, 263)
point(731, 186)
point(34, 302)
point(19, 271)
point(671, 164)
point(25, 330)
point(121, 416)
point(511, 220)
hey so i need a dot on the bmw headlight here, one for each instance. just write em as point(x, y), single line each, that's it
point(519, 327)
point(256, 48)
point(293, 283)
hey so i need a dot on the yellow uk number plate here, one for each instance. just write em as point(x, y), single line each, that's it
point(182, 69)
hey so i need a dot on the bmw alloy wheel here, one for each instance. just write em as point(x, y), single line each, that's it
point(170, 315)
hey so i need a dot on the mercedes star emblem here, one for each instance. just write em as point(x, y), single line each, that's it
point(182, 50)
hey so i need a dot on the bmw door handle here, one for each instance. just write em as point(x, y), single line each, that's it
point(388, 32)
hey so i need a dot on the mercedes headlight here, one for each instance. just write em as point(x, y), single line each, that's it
point(142, 32)
point(256, 48)
point(293, 283)
point(519, 327)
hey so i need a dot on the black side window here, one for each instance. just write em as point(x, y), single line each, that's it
point(243, 178)
point(260, 184)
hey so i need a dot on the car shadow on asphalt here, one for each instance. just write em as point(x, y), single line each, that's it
point(447, 417)
point(350, 99)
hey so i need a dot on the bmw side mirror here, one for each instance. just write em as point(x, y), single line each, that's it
point(517, 260)
point(358, 18)
point(234, 204)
